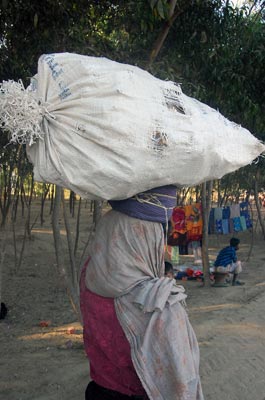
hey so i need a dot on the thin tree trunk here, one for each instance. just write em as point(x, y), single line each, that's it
point(256, 195)
point(206, 205)
point(22, 200)
point(77, 227)
point(52, 200)
point(172, 15)
point(45, 191)
point(27, 227)
point(15, 245)
point(72, 203)
point(97, 211)
point(252, 235)
point(2, 258)
point(29, 201)
point(70, 246)
point(60, 254)
point(18, 264)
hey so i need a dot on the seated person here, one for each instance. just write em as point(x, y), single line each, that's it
point(227, 262)
point(169, 271)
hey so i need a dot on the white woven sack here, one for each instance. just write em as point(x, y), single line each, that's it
point(109, 130)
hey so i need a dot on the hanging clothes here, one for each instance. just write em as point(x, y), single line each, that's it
point(237, 224)
point(234, 211)
point(225, 226)
point(226, 213)
point(193, 217)
point(218, 226)
point(230, 219)
point(178, 220)
point(243, 223)
point(218, 213)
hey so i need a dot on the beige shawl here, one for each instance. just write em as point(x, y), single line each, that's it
point(127, 264)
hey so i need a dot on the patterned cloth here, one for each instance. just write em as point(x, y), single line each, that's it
point(249, 224)
point(127, 264)
point(244, 208)
point(226, 213)
point(193, 216)
point(218, 226)
point(237, 224)
point(178, 220)
point(235, 218)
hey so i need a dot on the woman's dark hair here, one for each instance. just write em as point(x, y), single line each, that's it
point(234, 242)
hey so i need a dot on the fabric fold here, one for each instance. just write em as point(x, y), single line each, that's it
point(153, 295)
point(149, 306)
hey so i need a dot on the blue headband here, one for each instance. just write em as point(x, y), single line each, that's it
point(153, 205)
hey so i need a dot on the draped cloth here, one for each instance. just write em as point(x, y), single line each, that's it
point(127, 264)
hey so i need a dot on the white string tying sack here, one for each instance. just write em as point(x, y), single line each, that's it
point(21, 114)
point(152, 199)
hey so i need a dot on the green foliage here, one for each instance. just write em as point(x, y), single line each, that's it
point(159, 7)
point(221, 49)
point(214, 50)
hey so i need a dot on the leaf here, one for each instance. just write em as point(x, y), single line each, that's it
point(160, 9)
point(35, 20)
point(152, 3)
point(203, 37)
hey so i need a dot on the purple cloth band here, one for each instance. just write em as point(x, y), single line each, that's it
point(133, 207)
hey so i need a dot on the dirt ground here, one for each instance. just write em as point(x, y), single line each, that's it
point(49, 363)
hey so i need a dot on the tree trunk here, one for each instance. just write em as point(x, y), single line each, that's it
point(72, 203)
point(256, 195)
point(97, 211)
point(77, 227)
point(70, 246)
point(44, 193)
point(252, 234)
point(206, 205)
point(2, 258)
point(52, 200)
point(74, 299)
point(172, 15)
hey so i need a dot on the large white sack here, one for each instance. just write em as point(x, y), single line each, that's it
point(112, 130)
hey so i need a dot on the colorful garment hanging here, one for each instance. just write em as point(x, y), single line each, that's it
point(186, 225)
point(231, 219)
point(234, 211)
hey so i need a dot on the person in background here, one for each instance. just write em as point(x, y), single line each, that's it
point(227, 262)
point(137, 334)
point(169, 271)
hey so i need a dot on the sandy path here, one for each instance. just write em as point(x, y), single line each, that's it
point(232, 343)
point(49, 364)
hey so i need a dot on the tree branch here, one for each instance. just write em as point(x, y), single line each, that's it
point(164, 32)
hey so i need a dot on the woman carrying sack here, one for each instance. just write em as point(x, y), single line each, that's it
point(137, 335)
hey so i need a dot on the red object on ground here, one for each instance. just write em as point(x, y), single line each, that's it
point(71, 331)
point(189, 272)
point(44, 324)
